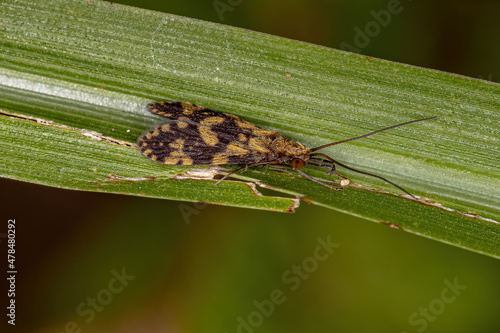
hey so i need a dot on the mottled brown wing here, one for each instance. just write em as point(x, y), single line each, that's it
point(200, 136)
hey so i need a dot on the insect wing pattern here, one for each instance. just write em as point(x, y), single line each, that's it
point(200, 136)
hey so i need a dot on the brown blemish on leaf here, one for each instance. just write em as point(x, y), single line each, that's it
point(392, 225)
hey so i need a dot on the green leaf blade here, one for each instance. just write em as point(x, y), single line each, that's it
point(88, 70)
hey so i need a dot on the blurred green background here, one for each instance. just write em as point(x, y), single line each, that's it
point(183, 267)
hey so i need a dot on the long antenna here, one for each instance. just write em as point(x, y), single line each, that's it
point(364, 136)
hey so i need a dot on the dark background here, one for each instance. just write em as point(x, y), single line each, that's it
point(199, 269)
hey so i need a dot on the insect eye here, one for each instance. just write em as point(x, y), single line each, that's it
point(297, 163)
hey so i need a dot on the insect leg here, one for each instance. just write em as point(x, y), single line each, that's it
point(330, 166)
point(364, 173)
point(309, 177)
point(245, 167)
point(232, 172)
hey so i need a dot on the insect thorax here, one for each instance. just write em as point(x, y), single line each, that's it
point(284, 150)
